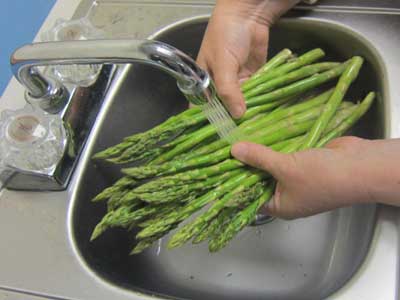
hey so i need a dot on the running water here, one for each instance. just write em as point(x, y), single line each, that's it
point(221, 120)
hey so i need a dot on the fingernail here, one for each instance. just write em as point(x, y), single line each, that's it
point(238, 111)
point(239, 150)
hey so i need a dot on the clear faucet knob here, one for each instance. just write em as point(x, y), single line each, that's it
point(31, 139)
point(74, 30)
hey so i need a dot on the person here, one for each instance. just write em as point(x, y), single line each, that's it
point(349, 170)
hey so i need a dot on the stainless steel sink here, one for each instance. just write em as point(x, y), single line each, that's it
point(350, 253)
point(304, 259)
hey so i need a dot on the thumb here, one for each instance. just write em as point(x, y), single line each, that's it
point(226, 79)
point(279, 165)
point(260, 157)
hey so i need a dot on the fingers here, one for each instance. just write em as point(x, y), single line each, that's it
point(276, 164)
point(225, 74)
point(260, 157)
point(295, 185)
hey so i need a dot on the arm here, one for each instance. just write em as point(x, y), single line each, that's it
point(349, 171)
point(235, 44)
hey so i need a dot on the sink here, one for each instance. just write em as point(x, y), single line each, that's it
point(308, 258)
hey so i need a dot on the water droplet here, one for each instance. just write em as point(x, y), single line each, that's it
point(229, 274)
point(158, 251)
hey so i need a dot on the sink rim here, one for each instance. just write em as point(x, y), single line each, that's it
point(119, 79)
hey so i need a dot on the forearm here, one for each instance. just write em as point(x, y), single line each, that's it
point(380, 171)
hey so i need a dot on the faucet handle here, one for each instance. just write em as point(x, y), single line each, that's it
point(30, 140)
point(74, 30)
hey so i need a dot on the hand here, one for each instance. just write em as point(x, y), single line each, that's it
point(235, 44)
point(349, 170)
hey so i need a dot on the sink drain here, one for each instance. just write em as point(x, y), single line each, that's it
point(262, 219)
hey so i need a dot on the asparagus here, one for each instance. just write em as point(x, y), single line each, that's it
point(144, 244)
point(135, 145)
point(274, 116)
point(189, 230)
point(247, 215)
point(280, 131)
point(126, 216)
point(215, 225)
point(349, 75)
point(182, 191)
point(290, 77)
point(184, 212)
point(276, 132)
point(298, 87)
point(303, 60)
point(242, 219)
point(360, 110)
point(110, 219)
point(117, 187)
point(274, 62)
point(209, 131)
point(248, 194)
point(189, 176)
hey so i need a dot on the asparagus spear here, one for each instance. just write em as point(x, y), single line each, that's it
point(349, 75)
point(189, 230)
point(215, 225)
point(138, 143)
point(298, 87)
point(111, 218)
point(360, 110)
point(189, 176)
point(274, 62)
point(242, 219)
point(192, 207)
point(118, 186)
point(144, 244)
point(248, 194)
point(303, 60)
point(289, 78)
point(182, 191)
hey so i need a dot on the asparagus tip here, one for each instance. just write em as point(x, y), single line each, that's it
point(98, 230)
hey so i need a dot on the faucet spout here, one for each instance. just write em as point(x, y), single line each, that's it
point(194, 82)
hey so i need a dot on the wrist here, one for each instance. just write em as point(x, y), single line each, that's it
point(262, 11)
point(381, 171)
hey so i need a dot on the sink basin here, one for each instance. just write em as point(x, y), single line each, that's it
point(303, 259)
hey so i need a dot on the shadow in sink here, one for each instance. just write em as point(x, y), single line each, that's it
point(303, 259)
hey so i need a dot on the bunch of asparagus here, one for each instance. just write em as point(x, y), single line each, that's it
point(186, 169)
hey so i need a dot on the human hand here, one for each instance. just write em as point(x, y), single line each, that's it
point(349, 170)
point(235, 44)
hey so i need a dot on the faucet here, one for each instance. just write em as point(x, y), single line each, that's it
point(194, 82)
point(55, 97)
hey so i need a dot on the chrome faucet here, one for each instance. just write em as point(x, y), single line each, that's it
point(55, 97)
point(194, 82)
